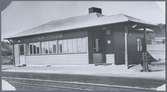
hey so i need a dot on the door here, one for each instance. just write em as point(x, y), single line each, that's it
point(97, 53)
point(134, 48)
point(22, 54)
point(16, 54)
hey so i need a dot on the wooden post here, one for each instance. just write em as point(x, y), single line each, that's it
point(126, 46)
point(145, 54)
point(144, 41)
point(13, 55)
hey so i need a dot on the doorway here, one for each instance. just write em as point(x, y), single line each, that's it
point(22, 54)
point(97, 52)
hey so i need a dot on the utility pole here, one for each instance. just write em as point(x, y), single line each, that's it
point(145, 54)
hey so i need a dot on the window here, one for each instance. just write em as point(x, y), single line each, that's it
point(30, 49)
point(96, 45)
point(60, 48)
point(49, 47)
point(65, 46)
point(70, 46)
point(45, 47)
point(54, 46)
point(21, 49)
point(77, 45)
point(85, 44)
point(34, 48)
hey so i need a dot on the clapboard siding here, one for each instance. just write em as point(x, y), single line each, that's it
point(64, 59)
point(16, 54)
point(134, 57)
point(51, 36)
point(119, 47)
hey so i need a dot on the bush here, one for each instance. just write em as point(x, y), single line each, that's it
point(7, 53)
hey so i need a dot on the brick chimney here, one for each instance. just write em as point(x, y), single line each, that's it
point(95, 10)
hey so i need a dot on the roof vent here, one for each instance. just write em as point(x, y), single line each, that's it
point(95, 10)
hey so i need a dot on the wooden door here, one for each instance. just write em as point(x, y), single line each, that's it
point(97, 53)
point(22, 54)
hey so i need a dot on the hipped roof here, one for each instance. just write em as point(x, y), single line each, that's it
point(77, 22)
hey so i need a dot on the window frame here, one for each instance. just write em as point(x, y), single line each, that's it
point(59, 44)
point(21, 50)
point(32, 48)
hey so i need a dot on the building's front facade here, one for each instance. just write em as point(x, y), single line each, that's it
point(95, 39)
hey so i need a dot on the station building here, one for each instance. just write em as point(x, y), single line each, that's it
point(89, 39)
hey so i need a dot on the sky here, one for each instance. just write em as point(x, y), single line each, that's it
point(23, 15)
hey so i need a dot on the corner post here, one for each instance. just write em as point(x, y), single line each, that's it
point(126, 45)
point(13, 55)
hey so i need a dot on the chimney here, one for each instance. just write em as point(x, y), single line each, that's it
point(95, 10)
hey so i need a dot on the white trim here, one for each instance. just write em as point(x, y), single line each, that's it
point(126, 47)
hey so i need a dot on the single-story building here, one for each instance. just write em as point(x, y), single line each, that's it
point(89, 39)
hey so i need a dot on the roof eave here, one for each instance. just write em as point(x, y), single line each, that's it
point(147, 25)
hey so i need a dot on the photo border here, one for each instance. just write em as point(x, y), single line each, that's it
point(5, 3)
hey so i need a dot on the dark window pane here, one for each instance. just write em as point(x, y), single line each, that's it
point(30, 49)
point(34, 49)
point(60, 48)
point(54, 48)
point(37, 50)
point(46, 51)
point(21, 49)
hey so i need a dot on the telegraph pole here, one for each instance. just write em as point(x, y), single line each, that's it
point(145, 54)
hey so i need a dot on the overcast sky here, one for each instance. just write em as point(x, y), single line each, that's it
point(22, 15)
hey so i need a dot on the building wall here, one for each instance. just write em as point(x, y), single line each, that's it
point(51, 36)
point(119, 47)
point(52, 59)
point(116, 47)
point(134, 57)
point(90, 46)
point(64, 59)
point(96, 57)
point(16, 54)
